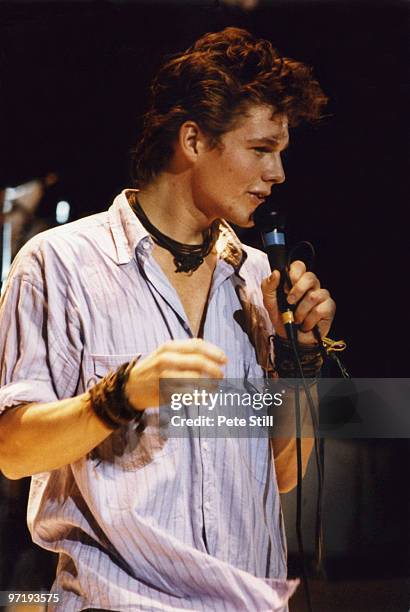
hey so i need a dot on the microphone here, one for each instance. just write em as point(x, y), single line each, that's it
point(271, 226)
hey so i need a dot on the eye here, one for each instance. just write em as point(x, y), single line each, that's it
point(262, 149)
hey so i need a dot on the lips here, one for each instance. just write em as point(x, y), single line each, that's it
point(258, 197)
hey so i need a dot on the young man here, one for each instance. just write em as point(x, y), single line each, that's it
point(160, 280)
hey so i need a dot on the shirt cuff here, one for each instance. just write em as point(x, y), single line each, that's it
point(25, 391)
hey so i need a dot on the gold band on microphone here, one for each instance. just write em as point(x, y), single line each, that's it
point(287, 317)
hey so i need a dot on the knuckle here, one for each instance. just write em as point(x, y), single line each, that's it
point(320, 295)
point(166, 346)
point(160, 362)
point(327, 306)
point(311, 278)
point(166, 360)
point(195, 361)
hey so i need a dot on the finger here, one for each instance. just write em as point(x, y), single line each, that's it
point(296, 270)
point(269, 287)
point(309, 301)
point(172, 381)
point(321, 315)
point(201, 365)
point(194, 345)
point(306, 282)
point(271, 281)
point(180, 375)
point(183, 381)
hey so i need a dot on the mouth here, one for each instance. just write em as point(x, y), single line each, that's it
point(257, 197)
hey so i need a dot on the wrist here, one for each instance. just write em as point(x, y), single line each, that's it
point(130, 393)
point(309, 356)
point(109, 399)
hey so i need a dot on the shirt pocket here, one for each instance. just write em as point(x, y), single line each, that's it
point(136, 445)
point(98, 365)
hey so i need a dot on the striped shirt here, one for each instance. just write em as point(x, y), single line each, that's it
point(143, 522)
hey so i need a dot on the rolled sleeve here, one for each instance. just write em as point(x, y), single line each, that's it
point(25, 391)
point(36, 343)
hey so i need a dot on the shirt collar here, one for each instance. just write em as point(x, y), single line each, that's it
point(127, 232)
point(229, 247)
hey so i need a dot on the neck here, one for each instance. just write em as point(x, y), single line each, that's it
point(169, 206)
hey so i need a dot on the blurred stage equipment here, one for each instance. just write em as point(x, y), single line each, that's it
point(19, 217)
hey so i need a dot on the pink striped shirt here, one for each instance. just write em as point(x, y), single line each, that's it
point(182, 524)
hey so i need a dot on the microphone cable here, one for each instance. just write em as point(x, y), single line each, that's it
point(328, 349)
point(291, 332)
point(272, 233)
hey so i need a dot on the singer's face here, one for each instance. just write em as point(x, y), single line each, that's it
point(233, 179)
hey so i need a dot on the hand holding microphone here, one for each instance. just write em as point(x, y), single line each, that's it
point(292, 293)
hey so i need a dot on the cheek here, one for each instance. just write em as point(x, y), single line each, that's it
point(235, 172)
point(227, 174)
point(242, 168)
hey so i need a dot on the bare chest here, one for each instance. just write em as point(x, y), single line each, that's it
point(192, 289)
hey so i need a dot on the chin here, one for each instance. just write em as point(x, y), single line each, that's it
point(244, 222)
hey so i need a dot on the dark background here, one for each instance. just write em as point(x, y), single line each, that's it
point(73, 85)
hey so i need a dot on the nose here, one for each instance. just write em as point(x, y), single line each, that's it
point(274, 173)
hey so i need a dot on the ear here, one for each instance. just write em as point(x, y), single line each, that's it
point(191, 140)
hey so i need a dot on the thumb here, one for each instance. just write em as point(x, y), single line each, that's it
point(269, 287)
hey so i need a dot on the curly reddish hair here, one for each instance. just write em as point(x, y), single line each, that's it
point(213, 83)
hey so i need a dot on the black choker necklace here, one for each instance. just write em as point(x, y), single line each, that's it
point(187, 257)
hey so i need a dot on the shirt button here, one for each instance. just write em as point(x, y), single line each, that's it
point(207, 505)
point(204, 446)
point(146, 246)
